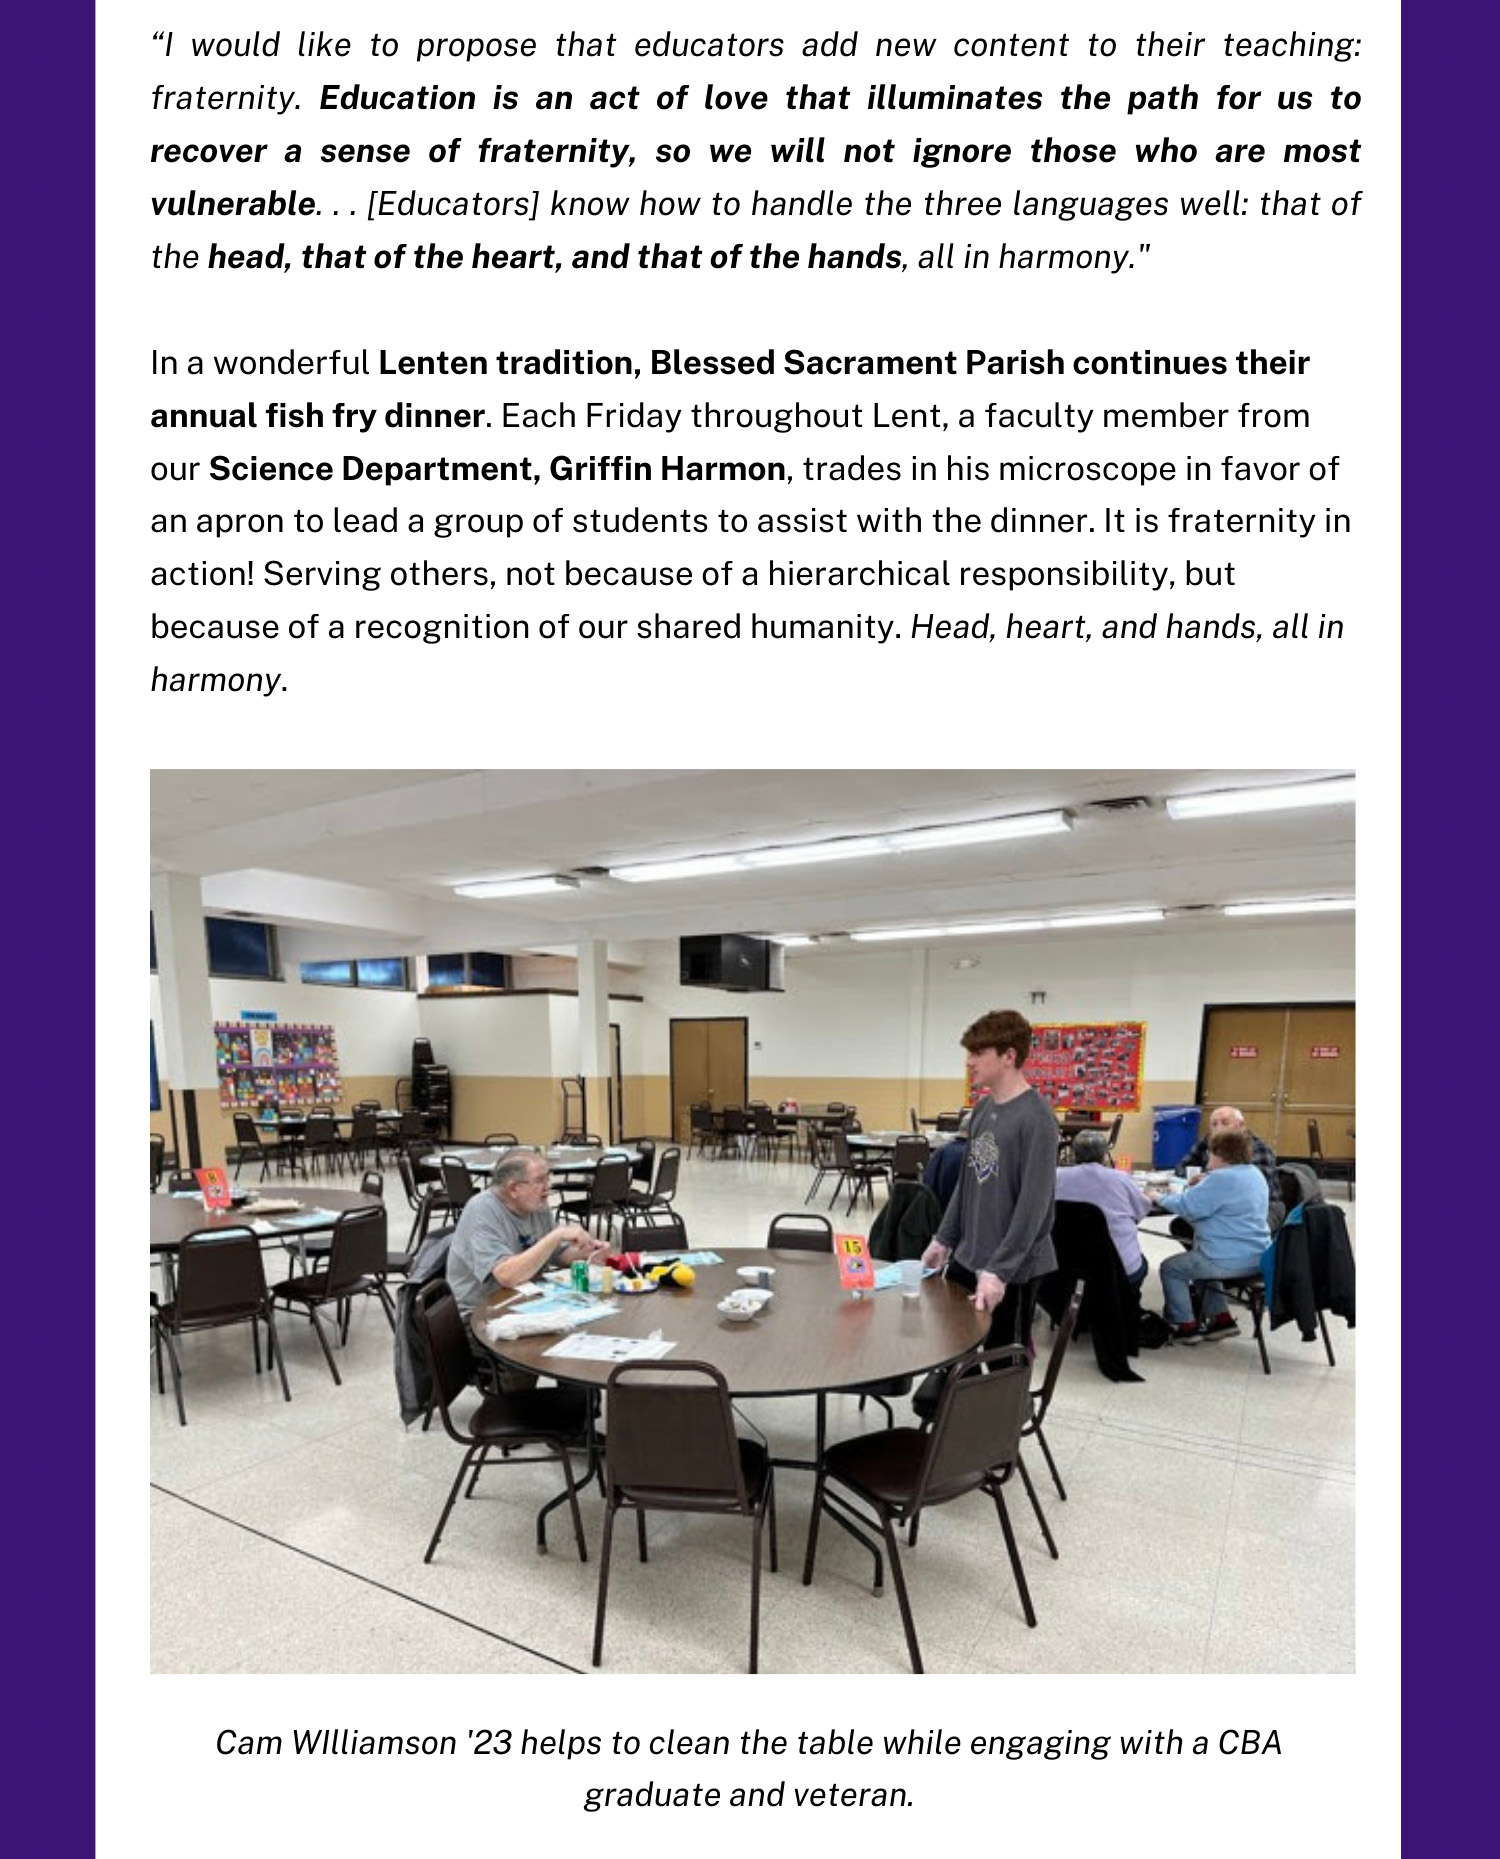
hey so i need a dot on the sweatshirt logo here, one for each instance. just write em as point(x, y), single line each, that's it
point(984, 1156)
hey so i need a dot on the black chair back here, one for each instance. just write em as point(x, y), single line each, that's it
point(458, 1183)
point(219, 1274)
point(444, 1343)
point(671, 1430)
point(949, 1119)
point(909, 1158)
point(985, 1404)
point(358, 1250)
point(654, 1229)
point(372, 1182)
point(502, 1139)
point(645, 1160)
point(665, 1185)
point(158, 1160)
point(800, 1233)
point(611, 1182)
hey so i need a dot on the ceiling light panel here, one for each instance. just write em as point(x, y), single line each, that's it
point(514, 887)
point(1288, 907)
point(1337, 792)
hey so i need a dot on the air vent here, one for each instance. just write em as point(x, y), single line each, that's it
point(1127, 803)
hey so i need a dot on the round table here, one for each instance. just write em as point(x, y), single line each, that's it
point(172, 1219)
point(813, 1338)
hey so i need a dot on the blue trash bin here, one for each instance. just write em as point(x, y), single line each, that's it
point(1174, 1130)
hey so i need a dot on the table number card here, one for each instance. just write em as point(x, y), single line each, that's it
point(856, 1273)
point(215, 1185)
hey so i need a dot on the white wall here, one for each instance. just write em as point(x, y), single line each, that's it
point(852, 1012)
point(374, 1029)
point(492, 1036)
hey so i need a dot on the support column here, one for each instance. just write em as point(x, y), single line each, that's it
point(593, 1031)
point(916, 1026)
point(188, 1060)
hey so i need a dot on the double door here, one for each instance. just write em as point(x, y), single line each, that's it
point(1283, 1065)
point(709, 1066)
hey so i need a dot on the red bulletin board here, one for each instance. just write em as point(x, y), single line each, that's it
point(1089, 1067)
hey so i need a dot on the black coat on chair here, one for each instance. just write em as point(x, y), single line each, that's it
point(1111, 1310)
point(907, 1223)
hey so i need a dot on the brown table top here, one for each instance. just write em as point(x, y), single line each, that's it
point(812, 1336)
point(172, 1219)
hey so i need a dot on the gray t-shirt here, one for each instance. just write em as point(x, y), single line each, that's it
point(487, 1232)
point(1000, 1217)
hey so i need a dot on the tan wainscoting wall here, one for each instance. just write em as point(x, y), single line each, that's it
point(532, 1107)
point(529, 1108)
point(216, 1125)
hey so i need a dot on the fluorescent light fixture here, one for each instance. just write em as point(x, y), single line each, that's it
point(893, 935)
point(994, 929)
point(514, 887)
point(1113, 919)
point(828, 851)
point(708, 867)
point(979, 832)
point(815, 854)
point(1262, 799)
point(1288, 907)
point(791, 941)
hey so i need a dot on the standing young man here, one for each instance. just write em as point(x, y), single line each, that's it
point(998, 1225)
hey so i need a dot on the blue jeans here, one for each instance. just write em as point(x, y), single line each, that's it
point(1183, 1269)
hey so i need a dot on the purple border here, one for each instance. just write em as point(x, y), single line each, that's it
point(49, 133)
point(1449, 415)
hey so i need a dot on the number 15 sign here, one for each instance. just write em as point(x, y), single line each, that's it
point(856, 1273)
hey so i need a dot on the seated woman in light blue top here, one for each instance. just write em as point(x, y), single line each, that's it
point(1228, 1209)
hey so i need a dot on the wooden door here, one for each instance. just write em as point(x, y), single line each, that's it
point(709, 1065)
point(1319, 1079)
point(1241, 1064)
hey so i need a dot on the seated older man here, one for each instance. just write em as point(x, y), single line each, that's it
point(1227, 1208)
point(508, 1234)
point(1091, 1179)
point(1226, 1117)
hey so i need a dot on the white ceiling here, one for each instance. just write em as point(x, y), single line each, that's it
point(371, 855)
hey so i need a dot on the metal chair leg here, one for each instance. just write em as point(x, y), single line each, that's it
point(166, 1336)
point(1041, 1440)
point(447, 1508)
point(812, 1531)
point(273, 1349)
point(1327, 1343)
point(1015, 1555)
point(609, 1526)
point(755, 1532)
point(902, 1600)
point(317, 1323)
point(640, 1534)
point(1036, 1507)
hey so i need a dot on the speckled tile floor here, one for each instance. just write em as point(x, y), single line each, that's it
point(1209, 1525)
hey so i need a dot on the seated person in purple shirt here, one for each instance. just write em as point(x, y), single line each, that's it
point(1116, 1196)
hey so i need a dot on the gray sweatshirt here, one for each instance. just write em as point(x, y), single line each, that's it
point(1000, 1218)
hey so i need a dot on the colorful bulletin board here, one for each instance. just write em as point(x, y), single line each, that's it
point(1089, 1067)
point(276, 1067)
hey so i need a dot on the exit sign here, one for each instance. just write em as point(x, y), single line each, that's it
point(1324, 1052)
point(1244, 1052)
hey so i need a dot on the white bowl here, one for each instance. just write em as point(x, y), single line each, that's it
point(738, 1313)
point(751, 1273)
